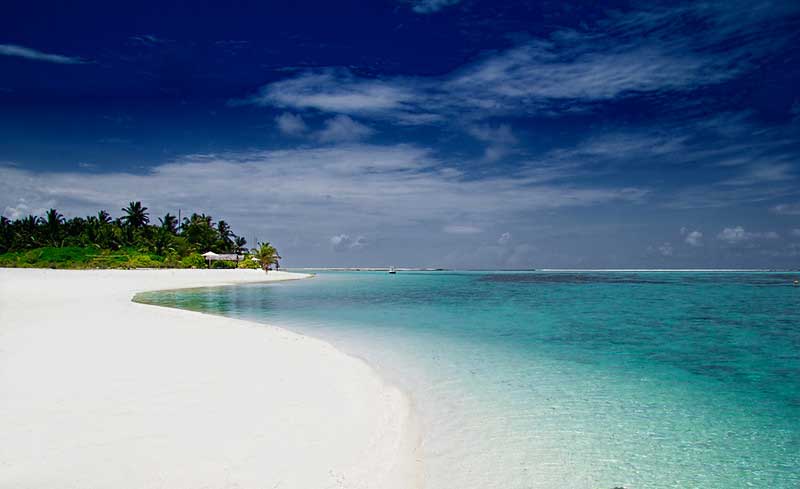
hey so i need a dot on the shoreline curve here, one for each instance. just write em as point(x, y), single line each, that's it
point(99, 391)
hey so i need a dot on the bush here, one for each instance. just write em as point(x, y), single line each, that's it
point(50, 257)
point(92, 257)
point(31, 257)
point(10, 260)
point(172, 260)
point(67, 255)
point(193, 261)
point(249, 263)
point(110, 259)
point(181, 246)
point(143, 261)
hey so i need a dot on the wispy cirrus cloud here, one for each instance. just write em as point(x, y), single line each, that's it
point(738, 234)
point(461, 229)
point(715, 162)
point(334, 90)
point(148, 40)
point(35, 55)
point(763, 172)
point(431, 6)
point(787, 209)
point(539, 74)
point(635, 53)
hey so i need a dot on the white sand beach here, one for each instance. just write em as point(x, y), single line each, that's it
point(99, 392)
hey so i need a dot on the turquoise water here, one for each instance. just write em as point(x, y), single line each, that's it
point(567, 380)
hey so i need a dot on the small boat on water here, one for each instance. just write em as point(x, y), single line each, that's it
point(392, 270)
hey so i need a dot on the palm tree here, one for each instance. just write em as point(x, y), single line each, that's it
point(135, 215)
point(6, 234)
point(199, 232)
point(225, 235)
point(73, 232)
point(53, 218)
point(53, 221)
point(169, 222)
point(267, 255)
point(161, 242)
point(27, 235)
point(239, 244)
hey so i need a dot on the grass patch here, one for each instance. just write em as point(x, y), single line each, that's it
point(76, 257)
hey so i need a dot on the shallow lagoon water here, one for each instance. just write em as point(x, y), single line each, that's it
point(562, 379)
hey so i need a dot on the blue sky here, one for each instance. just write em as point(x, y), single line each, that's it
point(421, 133)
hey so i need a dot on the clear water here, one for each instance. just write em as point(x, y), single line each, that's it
point(567, 380)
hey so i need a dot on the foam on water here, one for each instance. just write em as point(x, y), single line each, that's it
point(566, 379)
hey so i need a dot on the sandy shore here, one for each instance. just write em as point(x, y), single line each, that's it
point(99, 392)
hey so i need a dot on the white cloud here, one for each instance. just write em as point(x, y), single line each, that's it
point(22, 208)
point(461, 229)
point(763, 173)
point(343, 128)
point(500, 139)
point(340, 128)
point(741, 161)
point(694, 238)
point(396, 190)
point(504, 239)
point(501, 134)
point(549, 71)
point(148, 40)
point(665, 249)
point(796, 233)
point(787, 209)
point(28, 53)
point(431, 6)
point(344, 242)
point(733, 235)
point(291, 124)
point(627, 54)
point(333, 91)
point(710, 195)
point(738, 234)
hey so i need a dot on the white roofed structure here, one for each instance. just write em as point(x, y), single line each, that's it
point(211, 256)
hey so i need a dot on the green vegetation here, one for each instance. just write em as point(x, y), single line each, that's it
point(249, 263)
point(129, 241)
point(267, 255)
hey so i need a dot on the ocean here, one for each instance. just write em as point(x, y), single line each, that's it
point(593, 380)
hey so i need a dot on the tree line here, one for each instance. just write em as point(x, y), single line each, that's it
point(131, 231)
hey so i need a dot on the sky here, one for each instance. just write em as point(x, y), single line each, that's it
point(431, 133)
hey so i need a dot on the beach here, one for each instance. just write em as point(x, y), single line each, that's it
point(97, 391)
